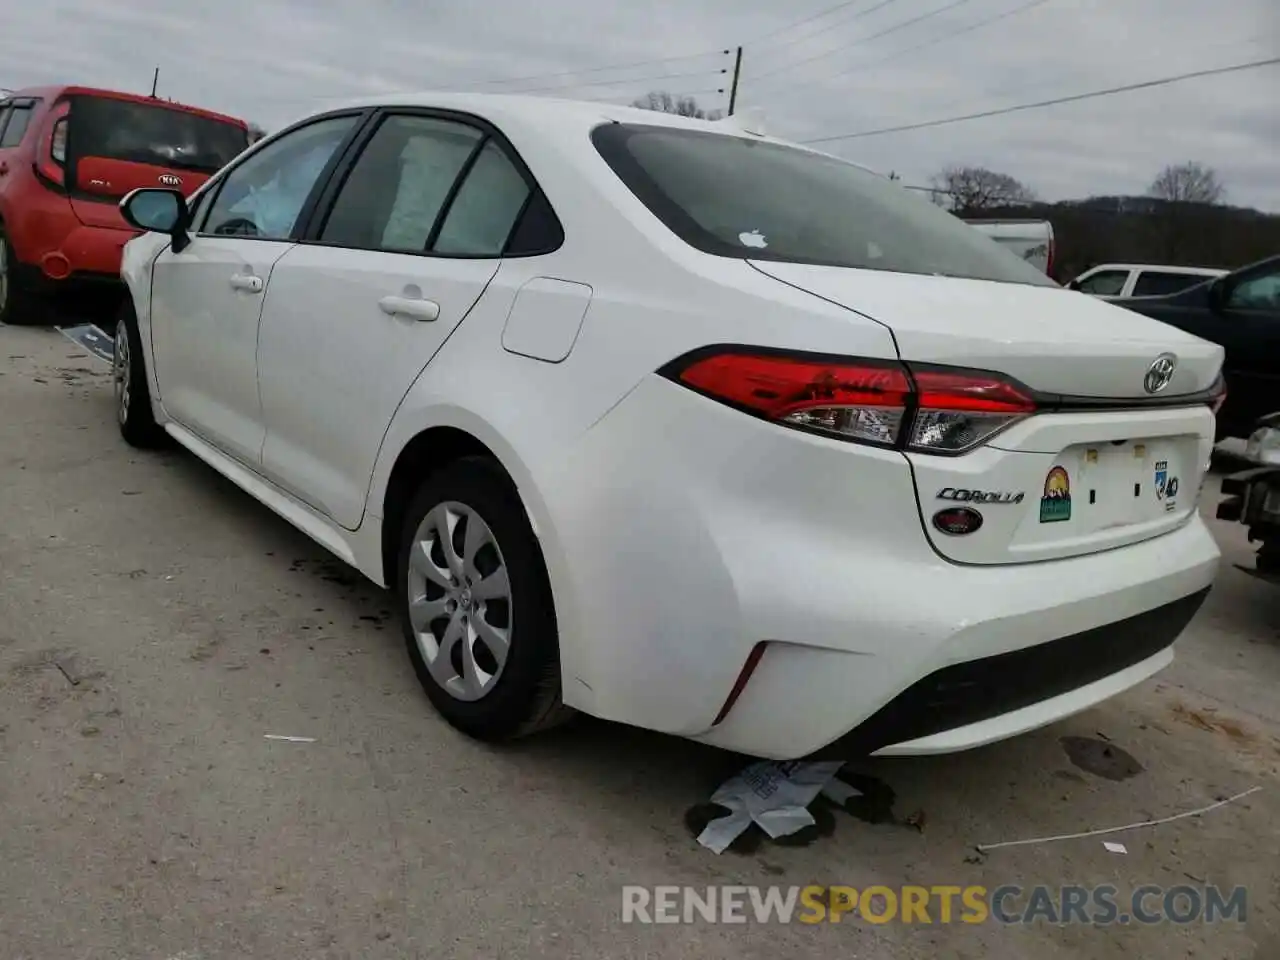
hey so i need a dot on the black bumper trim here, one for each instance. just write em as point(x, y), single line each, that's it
point(978, 690)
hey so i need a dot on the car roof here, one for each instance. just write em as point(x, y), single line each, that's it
point(548, 115)
point(63, 90)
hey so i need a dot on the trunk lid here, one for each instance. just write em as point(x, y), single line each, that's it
point(1064, 482)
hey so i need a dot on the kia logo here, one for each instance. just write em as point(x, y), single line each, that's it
point(1160, 373)
point(169, 180)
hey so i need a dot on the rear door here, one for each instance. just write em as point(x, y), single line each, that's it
point(116, 145)
point(408, 244)
point(206, 300)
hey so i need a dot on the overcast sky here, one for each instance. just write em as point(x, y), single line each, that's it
point(272, 60)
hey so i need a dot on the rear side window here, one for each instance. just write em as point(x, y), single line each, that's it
point(153, 134)
point(485, 208)
point(1105, 283)
point(19, 120)
point(1151, 283)
point(736, 196)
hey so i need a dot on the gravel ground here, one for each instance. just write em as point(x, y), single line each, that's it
point(156, 624)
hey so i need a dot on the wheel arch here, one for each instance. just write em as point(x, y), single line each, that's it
point(453, 434)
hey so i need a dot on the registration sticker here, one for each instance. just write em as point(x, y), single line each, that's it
point(1055, 504)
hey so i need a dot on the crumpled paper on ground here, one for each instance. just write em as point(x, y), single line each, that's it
point(775, 796)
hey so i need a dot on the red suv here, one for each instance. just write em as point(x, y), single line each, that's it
point(67, 157)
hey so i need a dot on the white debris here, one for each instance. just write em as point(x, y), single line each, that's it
point(773, 795)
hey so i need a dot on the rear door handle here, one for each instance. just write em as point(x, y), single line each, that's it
point(414, 308)
point(4, 168)
point(246, 282)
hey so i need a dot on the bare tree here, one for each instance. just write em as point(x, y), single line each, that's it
point(967, 190)
point(1189, 182)
point(664, 102)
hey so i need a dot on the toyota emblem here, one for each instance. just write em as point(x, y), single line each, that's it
point(1160, 373)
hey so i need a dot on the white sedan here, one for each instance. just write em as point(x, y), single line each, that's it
point(677, 424)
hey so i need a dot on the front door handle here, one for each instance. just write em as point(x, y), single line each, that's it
point(246, 282)
point(4, 168)
point(413, 307)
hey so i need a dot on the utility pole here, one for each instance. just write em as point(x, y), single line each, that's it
point(155, 81)
point(733, 90)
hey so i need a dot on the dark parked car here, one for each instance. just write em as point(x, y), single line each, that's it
point(1241, 312)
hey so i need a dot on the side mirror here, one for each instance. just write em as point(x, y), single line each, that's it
point(1073, 284)
point(158, 211)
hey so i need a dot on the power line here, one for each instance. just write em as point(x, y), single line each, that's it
point(614, 97)
point(619, 83)
point(615, 66)
point(858, 68)
point(875, 36)
point(857, 15)
point(1110, 91)
point(540, 76)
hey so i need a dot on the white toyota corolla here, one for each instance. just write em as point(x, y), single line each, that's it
point(677, 424)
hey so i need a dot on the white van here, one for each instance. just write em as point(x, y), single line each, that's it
point(1032, 240)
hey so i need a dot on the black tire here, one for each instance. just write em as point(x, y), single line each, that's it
point(132, 392)
point(19, 305)
point(525, 692)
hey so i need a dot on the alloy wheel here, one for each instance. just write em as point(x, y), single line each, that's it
point(122, 372)
point(459, 597)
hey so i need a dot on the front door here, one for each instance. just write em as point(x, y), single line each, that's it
point(358, 312)
point(207, 299)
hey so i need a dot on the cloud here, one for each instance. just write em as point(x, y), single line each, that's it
point(273, 60)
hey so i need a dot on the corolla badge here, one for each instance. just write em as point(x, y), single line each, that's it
point(170, 180)
point(1160, 373)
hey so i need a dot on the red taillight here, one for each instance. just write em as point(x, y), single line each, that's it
point(933, 409)
point(51, 156)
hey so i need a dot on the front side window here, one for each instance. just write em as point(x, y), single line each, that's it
point(264, 195)
point(735, 196)
point(1259, 292)
point(1104, 283)
point(19, 120)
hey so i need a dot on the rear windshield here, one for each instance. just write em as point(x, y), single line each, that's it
point(737, 197)
point(153, 134)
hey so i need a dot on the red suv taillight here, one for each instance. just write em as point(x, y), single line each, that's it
point(928, 409)
point(51, 153)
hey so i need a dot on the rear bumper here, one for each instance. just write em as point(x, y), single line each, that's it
point(979, 701)
point(88, 254)
point(684, 534)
